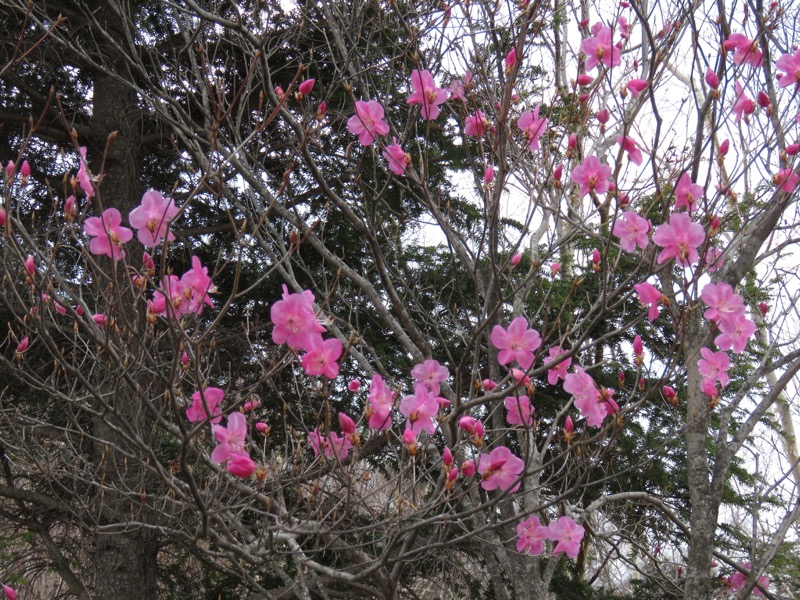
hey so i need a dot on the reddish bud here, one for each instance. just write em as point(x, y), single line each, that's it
point(452, 476)
point(572, 144)
point(711, 79)
point(321, 110)
point(724, 147)
point(447, 457)
point(515, 98)
point(568, 425)
point(642, 383)
point(636, 86)
point(596, 256)
point(621, 378)
point(583, 98)
point(100, 320)
point(70, 209)
point(347, 424)
point(263, 427)
point(488, 175)
point(30, 266)
point(468, 468)
point(511, 60)
point(9, 593)
point(558, 171)
point(354, 385)
point(79, 310)
point(583, 23)
point(763, 308)
point(515, 259)
point(279, 92)
point(23, 345)
point(10, 168)
point(410, 441)
point(792, 149)
point(638, 347)
point(763, 100)
point(555, 269)
point(185, 359)
point(584, 79)
point(603, 115)
point(2, 217)
point(306, 86)
point(488, 385)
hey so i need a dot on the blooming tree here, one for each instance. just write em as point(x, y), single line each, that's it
point(374, 336)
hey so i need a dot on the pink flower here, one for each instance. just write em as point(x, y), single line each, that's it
point(735, 334)
point(680, 239)
point(331, 446)
point(518, 343)
point(555, 269)
point(231, 438)
point(586, 397)
point(420, 410)
point(568, 534)
point(500, 469)
point(632, 231)
point(743, 104)
point(83, 175)
point(430, 373)
point(723, 304)
point(354, 385)
point(520, 411)
point(533, 127)
point(599, 49)
point(457, 90)
point(714, 366)
point(107, 234)
point(241, 465)
point(9, 593)
point(206, 405)
point(738, 579)
point(687, 193)
point(790, 65)
point(746, 50)
point(592, 176)
point(649, 295)
point(397, 158)
point(380, 404)
point(427, 94)
point(531, 535)
point(629, 145)
point(294, 319)
point(488, 385)
point(196, 287)
point(636, 87)
point(306, 87)
point(152, 217)
point(368, 122)
point(560, 370)
point(321, 356)
point(786, 180)
point(476, 124)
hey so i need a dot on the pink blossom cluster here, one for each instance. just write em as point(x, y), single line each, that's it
point(178, 296)
point(565, 531)
point(151, 219)
point(296, 324)
point(594, 403)
point(736, 581)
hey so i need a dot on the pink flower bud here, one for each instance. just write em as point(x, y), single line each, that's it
point(723, 147)
point(70, 209)
point(603, 116)
point(2, 217)
point(515, 259)
point(520, 377)
point(636, 86)
point(763, 100)
point(668, 393)
point(467, 423)
point(306, 86)
point(148, 262)
point(621, 378)
point(279, 92)
point(251, 405)
point(572, 144)
point(709, 387)
point(263, 427)
point(9, 593)
point(79, 310)
point(515, 98)
point(447, 457)
point(354, 385)
point(488, 174)
point(583, 98)
point(185, 359)
point(321, 110)
point(23, 345)
point(792, 149)
point(410, 441)
point(452, 475)
point(241, 465)
point(711, 79)
point(347, 424)
point(30, 266)
point(584, 79)
point(488, 385)
point(100, 320)
point(638, 347)
point(763, 308)
point(555, 269)
point(583, 23)
point(468, 468)
point(558, 171)
point(568, 425)
point(10, 168)
point(642, 383)
point(596, 256)
point(511, 60)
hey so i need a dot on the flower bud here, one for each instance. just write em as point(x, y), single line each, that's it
point(711, 79)
point(468, 468)
point(763, 308)
point(347, 424)
point(488, 385)
point(515, 259)
point(447, 457)
point(488, 175)
point(306, 87)
point(584, 79)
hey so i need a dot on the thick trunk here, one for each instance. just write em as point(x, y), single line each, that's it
point(125, 558)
